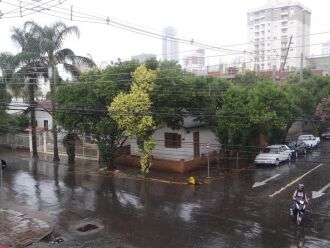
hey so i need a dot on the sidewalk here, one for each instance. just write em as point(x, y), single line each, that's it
point(19, 230)
point(85, 166)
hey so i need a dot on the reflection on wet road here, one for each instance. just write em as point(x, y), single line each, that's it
point(135, 213)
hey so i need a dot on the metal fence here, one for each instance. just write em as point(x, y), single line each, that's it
point(17, 140)
point(85, 147)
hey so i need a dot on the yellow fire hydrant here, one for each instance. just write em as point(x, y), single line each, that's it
point(192, 180)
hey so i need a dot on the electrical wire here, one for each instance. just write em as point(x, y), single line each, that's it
point(155, 35)
point(198, 114)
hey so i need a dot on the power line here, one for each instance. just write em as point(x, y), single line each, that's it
point(154, 112)
point(153, 34)
point(107, 20)
point(245, 151)
point(33, 68)
point(71, 16)
point(23, 8)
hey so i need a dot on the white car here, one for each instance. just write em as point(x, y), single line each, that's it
point(310, 140)
point(274, 155)
point(326, 134)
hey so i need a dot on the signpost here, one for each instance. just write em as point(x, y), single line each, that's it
point(208, 160)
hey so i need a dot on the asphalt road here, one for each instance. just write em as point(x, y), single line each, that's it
point(229, 212)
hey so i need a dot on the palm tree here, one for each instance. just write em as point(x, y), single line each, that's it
point(7, 66)
point(6, 69)
point(30, 64)
point(50, 43)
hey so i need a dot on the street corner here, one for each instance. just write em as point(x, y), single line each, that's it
point(20, 230)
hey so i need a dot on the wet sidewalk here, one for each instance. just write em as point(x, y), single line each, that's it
point(20, 230)
point(92, 167)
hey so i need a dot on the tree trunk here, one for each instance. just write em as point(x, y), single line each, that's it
point(70, 145)
point(54, 126)
point(33, 118)
point(107, 150)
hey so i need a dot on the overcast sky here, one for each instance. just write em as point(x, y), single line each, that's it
point(214, 22)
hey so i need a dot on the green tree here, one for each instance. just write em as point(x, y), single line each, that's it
point(132, 113)
point(83, 110)
point(264, 108)
point(5, 119)
point(323, 111)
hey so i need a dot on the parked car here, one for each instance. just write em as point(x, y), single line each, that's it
point(298, 146)
point(326, 134)
point(310, 140)
point(274, 155)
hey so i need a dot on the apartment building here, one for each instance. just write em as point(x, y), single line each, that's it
point(326, 48)
point(170, 49)
point(270, 30)
point(195, 62)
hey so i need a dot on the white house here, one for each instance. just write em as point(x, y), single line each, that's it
point(187, 143)
point(44, 118)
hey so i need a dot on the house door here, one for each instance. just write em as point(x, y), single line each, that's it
point(196, 145)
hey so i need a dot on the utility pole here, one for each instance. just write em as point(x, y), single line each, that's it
point(301, 68)
point(56, 158)
point(32, 105)
point(286, 56)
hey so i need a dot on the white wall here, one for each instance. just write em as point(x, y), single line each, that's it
point(186, 151)
point(41, 116)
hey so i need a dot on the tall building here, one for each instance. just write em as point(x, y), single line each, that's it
point(195, 62)
point(269, 31)
point(170, 45)
point(326, 48)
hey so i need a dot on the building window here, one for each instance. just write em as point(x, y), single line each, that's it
point(46, 124)
point(292, 11)
point(172, 140)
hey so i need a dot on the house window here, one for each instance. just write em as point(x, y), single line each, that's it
point(46, 124)
point(172, 140)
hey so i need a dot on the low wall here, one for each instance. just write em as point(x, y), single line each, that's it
point(219, 159)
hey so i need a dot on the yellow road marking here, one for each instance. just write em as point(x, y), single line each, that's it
point(294, 181)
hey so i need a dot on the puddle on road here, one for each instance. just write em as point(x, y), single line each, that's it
point(87, 228)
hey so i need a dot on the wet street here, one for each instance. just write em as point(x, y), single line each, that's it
point(130, 212)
